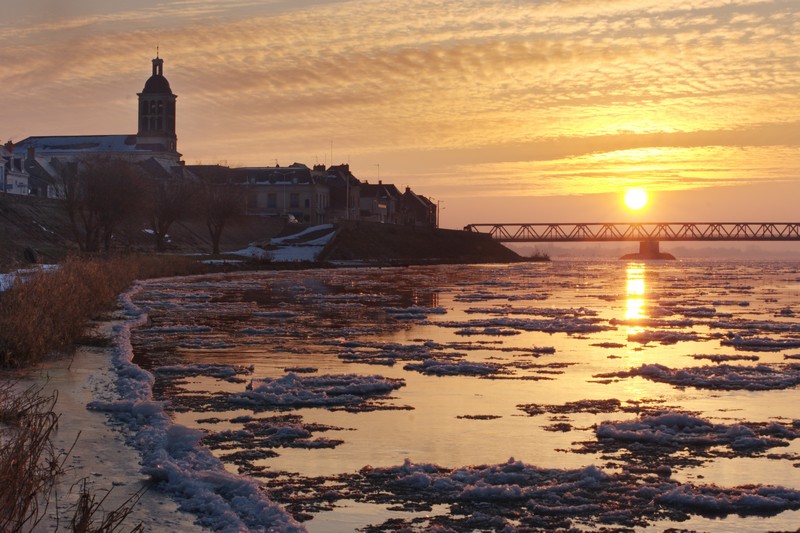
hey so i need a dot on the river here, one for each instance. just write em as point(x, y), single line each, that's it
point(476, 397)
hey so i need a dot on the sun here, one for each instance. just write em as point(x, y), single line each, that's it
point(635, 198)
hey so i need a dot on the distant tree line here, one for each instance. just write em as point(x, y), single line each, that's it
point(111, 201)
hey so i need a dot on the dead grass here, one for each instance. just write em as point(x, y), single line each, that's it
point(50, 311)
point(86, 520)
point(29, 466)
point(46, 313)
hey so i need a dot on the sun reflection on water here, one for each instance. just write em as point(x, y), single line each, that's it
point(634, 305)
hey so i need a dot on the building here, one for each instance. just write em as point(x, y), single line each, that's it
point(345, 193)
point(13, 176)
point(379, 203)
point(417, 210)
point(298, 193)
point(154, 145)
point(295, 192)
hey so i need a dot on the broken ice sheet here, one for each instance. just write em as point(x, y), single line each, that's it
point(294, 391)
point(515, 494)
point(718, 377)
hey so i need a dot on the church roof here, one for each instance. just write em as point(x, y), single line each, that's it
point(80, 143)
point(156, 84)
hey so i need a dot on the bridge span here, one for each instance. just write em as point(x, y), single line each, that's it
point(648, 234)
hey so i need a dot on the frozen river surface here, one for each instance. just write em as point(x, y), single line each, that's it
point(472, 398)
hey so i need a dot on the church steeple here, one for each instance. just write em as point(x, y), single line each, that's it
point(157, 112)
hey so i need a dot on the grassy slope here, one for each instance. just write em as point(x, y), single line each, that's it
point(38, 223)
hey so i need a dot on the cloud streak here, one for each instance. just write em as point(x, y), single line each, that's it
point(506, 86)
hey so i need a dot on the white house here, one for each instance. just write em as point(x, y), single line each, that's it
point(13, 176)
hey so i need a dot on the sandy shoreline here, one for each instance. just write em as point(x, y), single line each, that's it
point(100, 454)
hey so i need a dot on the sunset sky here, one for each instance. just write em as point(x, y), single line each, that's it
point(512, 111)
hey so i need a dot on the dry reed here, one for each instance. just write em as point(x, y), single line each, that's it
point(50, 310)
point(43, 314)
point(88, 507)
point(29, 465)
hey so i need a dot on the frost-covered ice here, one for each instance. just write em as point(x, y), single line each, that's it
point(761, 344)
point(560, 324)
point(8, 279)
point(173, 457)
point(446, 367)
point(720, 377)
point(440, 365)
point(679, 430)
point(305, 391)
point(518, 493)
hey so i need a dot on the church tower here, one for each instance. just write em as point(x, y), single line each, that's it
point(157, 113)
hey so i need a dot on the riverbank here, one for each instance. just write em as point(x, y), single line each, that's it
point(37, 230)
point(99, 454)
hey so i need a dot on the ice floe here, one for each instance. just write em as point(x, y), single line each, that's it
point(172, 455)
point(219, 371)
point(761, 344)
point(719, 377)
point(516, 495)
point(446, 367)
point(679, 430)
point(551, 325)
point(663, 337)
point(259, 436)
point(292, 390)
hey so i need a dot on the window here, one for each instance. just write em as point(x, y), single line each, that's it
point(272, 200)
point(308, 203)
point(294, 199)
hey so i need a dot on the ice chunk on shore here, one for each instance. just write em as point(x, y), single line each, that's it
point(172, 456)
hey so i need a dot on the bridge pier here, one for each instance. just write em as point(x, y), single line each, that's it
point(648, 250)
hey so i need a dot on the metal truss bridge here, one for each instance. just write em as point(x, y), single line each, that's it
point(641, 231)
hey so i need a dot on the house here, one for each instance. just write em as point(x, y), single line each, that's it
point(13, 176)
point(417, 210)
point(283, 191)
point(344, 190)
point(379, 203)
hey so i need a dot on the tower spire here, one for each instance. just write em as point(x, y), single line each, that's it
point(157, 111)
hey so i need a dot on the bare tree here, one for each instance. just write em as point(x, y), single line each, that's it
point(221, 202)
point(100, 194)
point(171, 201)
